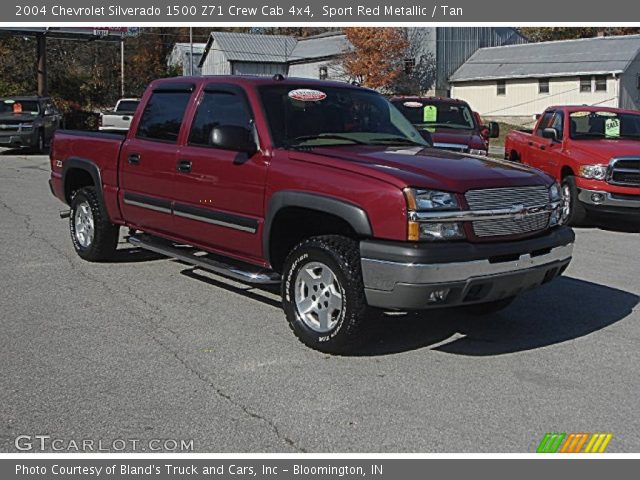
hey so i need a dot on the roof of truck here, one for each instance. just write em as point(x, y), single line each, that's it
point(257, 81)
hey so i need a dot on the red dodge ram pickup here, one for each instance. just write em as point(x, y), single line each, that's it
point(322, 187)
point(593, 151)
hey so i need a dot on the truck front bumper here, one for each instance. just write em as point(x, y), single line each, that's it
point(18, 140)
point(404, 276)
point(598, 201)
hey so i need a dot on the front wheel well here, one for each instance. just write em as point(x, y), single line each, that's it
point(291, 225)
point(74, 180)
point(565, 172)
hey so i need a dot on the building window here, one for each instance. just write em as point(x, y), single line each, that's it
point(601, 83)
point(501, 87)
point(543, 85)
point(323, 73)
point(409, 65)
point(585, 84)
point(638, 81)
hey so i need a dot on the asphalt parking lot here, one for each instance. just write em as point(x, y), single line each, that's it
point(146, 348)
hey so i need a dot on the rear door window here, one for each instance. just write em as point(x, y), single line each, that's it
point(163, 115)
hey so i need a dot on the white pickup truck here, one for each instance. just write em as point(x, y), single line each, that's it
point(119, 120)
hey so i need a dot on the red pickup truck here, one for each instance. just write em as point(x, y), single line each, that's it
point(322, 187)
point(451, 123)
point(593, 151)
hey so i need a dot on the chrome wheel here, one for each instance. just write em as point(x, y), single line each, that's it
point(318, 297)
point(566, 202)
point(83, 222)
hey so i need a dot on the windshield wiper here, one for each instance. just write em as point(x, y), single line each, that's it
point(329, 136)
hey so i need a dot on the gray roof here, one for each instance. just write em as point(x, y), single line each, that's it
point(247, 47)
point(320, 46)
point(197, 47)
point(600, 55)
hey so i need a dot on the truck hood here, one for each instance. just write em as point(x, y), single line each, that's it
point(601, 151)
point(425, 167)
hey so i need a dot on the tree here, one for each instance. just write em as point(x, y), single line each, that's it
point(377, 57)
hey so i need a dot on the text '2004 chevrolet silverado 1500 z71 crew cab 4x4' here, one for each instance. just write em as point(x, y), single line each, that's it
point(321, 186)
point(593, 151)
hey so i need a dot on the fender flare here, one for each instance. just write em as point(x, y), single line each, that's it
point(88, 166)
point(354, 215)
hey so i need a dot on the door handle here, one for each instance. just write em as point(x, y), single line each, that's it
point(542, 147)
point(184, 166)
point(134, 159)
point(530, 143)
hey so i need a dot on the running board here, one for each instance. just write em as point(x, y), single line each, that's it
point(244, 272)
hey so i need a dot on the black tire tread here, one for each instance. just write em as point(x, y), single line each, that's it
point(105, 239)
point(346, 253)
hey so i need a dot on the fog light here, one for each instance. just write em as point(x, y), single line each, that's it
point(441, 231)
point(597, 197)
point(438, 296)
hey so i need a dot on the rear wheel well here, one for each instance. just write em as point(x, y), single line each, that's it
point(291, 225)
point(565, 172)
point(74, 180)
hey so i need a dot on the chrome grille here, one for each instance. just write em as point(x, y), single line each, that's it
point(624, 171)
point(500, 198)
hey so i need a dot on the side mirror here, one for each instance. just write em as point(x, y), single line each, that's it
point(494, 129)
point(550, 133)
point(232, 137)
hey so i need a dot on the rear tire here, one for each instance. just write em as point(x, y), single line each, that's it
point(487, 308)
point(94, 238)
point(573, 212)
point(323, 293)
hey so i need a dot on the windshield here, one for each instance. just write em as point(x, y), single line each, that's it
point(303, 117)
point(19, 106)
point(127, 106)
point(432, 114)
point(610, 125)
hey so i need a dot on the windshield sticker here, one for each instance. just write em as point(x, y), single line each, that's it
point(307, 95)
point(605, 114)
point(580, 114)
point(430, 114)
point(9, 101)
point(413, 104)
point(612, 128)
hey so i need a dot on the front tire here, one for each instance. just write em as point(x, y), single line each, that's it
point(94, 238)
point(573, 212)
point(323, 293)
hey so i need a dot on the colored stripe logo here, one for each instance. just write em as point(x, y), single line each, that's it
point(574, 443)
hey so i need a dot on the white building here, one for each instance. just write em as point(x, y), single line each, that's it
point(180, 55)
point(515, 82)
point(231, 53)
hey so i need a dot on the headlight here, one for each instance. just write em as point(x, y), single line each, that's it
point(419, 200)
point(555, 193)
point(473, 151)
point(428, 200)
point(595, 172)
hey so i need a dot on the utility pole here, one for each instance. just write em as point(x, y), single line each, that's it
point(191, 53)
point(122, 67)
point(43, 88)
